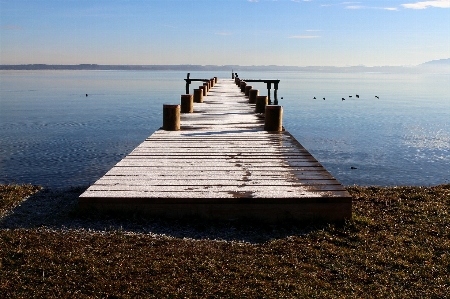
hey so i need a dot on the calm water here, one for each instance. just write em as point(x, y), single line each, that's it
point(53, 135)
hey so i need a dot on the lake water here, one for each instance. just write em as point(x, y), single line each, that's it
point(52, 135)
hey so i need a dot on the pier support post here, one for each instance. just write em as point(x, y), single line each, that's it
point(275, 101)
point(269, 86)
point(187, 103)
point(171, 117)
point(261, 103)
point(247, 89)
point(198, 95)
point(215, 80)
point(242, 85)
point(274, 118)
point(203, 88)
point(187, 82)
point(252, 94)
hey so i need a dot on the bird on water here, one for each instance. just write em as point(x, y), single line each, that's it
point(357, 96)
point(314, 98)
point(343, 99)
point(377, 97)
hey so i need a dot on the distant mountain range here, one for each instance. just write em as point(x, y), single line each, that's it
point(441, 65)
point(443, 62)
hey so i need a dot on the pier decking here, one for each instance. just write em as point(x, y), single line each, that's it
point(221, 164)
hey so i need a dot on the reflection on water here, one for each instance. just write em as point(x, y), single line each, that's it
point(52, 134)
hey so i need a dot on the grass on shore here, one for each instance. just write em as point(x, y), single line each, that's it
point(397, 245)
point(12, 195)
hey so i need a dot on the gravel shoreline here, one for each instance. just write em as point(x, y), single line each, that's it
point(56, 209)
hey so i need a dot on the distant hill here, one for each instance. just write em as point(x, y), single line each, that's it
point(441, 65)
point(192, 67)
point(156, 67)
point(444, 62)
point(435, 66)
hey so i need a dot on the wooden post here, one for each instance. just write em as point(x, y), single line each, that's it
point(242, 85)
point(187, 103)
point(215, 80)
point(198, 95)
point(275, 89)
point(206, 87)
point(247, 89)
point(171, 117)
point(203, 88)
point(261, 103)
point(188, 82)
point(269, 85)
point(274, 118)
point(252, 94)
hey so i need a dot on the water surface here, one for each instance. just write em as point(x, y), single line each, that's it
point(52, 134)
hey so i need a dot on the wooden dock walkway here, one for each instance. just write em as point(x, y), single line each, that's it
point(221, 164)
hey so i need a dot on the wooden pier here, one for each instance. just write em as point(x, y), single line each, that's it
point(221, 164)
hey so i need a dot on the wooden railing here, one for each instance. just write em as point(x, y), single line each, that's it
point(269, 86)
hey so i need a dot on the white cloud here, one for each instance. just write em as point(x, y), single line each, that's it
point(253, 0)
point(369, 7)
point(304, 36)
point(426, 4)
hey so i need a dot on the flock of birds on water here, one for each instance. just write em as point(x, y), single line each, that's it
point(343, 99)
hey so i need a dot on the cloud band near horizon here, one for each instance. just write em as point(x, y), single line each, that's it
point(426, 4)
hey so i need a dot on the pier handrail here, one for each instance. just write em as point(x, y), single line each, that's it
point(269, 86)
point(188, 81)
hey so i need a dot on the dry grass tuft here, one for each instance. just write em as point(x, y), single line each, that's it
point(397, 245)
point(12, 195)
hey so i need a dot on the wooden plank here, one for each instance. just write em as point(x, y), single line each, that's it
point(192, 170)
point(215, 195)
point(203, 181)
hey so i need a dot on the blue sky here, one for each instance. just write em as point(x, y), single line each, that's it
point(223, 32)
